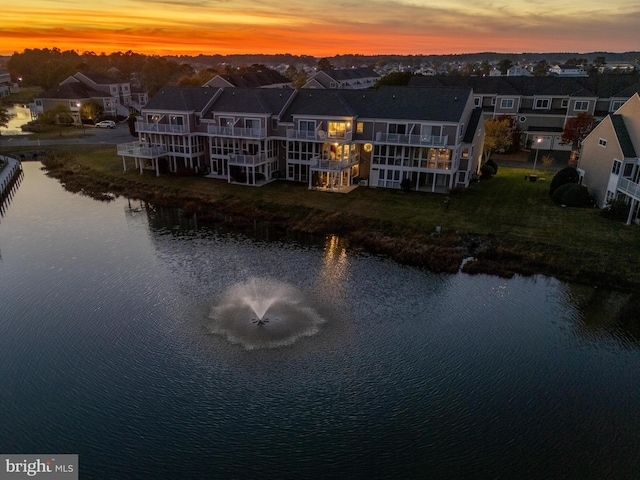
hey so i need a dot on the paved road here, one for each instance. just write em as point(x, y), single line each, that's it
point(92, 135)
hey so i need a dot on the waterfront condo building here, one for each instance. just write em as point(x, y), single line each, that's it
point(330, 139)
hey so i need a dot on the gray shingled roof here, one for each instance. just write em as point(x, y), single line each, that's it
point(623, 136)
point(263, 78)
point(602, 86)
point(253, 100)
point(72, 90)
point(181, 99)
point(352, 73)
point(393, 103)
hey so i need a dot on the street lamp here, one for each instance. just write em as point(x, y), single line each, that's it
point(79, 105)
point(535, 162)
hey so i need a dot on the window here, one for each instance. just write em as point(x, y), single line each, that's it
point(337, 129)
point(226, 121)
point(565, 103)
point(581, 106)
point(397, 128)
point(307, 125)
point(477, 101)
point(602, 142)
point(542, 104)
point(616, 167)
point(628, 170)
point(615, 105)
point(360, 127)
point(493, 101)
point(506, 103)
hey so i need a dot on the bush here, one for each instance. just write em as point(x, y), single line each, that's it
point(493, 165)
point(405, 184)
point(572, 195)
point(564, 176)
point(486, 171)
point(616, 210)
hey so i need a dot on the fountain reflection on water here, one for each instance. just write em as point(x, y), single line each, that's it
point(264, 313)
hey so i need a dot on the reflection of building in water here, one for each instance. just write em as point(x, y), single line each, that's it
point(334, 264)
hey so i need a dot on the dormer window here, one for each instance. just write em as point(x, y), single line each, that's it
point(581, 106)
point(542, 104)
point(506, 103)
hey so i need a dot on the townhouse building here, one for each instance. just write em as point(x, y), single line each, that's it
point(116, 97)
point(331, 140)
point(344, 78)
point(610, 163)
point(263, 79)
point(542, 105)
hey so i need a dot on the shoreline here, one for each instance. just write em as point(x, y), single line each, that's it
point(450, 251)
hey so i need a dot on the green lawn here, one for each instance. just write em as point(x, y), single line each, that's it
point(517, 212)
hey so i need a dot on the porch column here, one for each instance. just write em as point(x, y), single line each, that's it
point(632, 209)
point(124, 164)
point(157, 162)
point(141, 163)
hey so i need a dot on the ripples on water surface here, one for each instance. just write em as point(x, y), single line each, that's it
point(106, 351)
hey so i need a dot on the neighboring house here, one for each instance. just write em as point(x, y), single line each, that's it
point(542, 105)
point(116, 96)
point(568, 71)
point(517, 71)
point(332, 140)
point(609, 165)
point(7, 87)
point(262, 79)
point(348, 78)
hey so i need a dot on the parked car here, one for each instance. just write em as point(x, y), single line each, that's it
point(106, 124)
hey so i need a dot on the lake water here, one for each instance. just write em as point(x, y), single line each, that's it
point(20, 115)
point(112, 347)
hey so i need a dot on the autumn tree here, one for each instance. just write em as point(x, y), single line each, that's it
point(4, 116)
point(575, 130)
point(499, 134)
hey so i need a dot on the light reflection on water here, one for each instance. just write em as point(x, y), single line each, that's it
point(106, 353)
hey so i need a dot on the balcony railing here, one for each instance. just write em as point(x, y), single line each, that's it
point(237, 132)
point(248, 159)
point(416, 140)
point(141, 150)
point(630, 188)
point(319, 135)
point(144, 127)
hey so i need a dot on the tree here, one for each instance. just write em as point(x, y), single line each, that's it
point(541, 69)
point(498, 134)
point(91, 110)
point(505, 65)
point(395, 78)
point(324, 64)
point(4, 117)
point(575, 130)
point(131, 122)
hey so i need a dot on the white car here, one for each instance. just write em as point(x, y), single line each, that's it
point(106, 124)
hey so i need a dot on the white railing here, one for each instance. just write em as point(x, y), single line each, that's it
point(237, 132)
point(629, 187)
point(418, 140)
point(318, 135)
point(247, 159)
point(142, 150)
point(161, 128)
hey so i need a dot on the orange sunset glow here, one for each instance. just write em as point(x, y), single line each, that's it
point(192, 27)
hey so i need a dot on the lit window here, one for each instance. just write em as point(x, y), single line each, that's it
point(360, 127)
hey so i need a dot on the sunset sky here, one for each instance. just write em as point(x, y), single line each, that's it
point(311, 27)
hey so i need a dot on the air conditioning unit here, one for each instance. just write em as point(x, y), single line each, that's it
point(364, 183)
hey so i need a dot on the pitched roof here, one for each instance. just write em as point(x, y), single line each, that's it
point(252, 100)
point(623, 136)
point(263, 78)
point(393, 103)
point(476, 118)
point(351, 73)
point(184, 99)
point(72, 91)
point(602, 86)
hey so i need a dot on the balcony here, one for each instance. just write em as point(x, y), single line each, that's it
point(319, 135)
point(144, 127)
point(629, 188)
point(261, 158)
point(236, 132)
point(413, 140)
point(141, 150)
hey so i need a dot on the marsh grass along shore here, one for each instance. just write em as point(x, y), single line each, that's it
point(507, 225)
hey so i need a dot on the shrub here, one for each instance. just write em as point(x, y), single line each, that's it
point(616, 210)
point(572, 195)
point(564, 176)
point(486, 171)
point(493, 165)
point(405, 185)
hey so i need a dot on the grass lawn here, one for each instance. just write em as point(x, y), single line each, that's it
point(561, 241)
